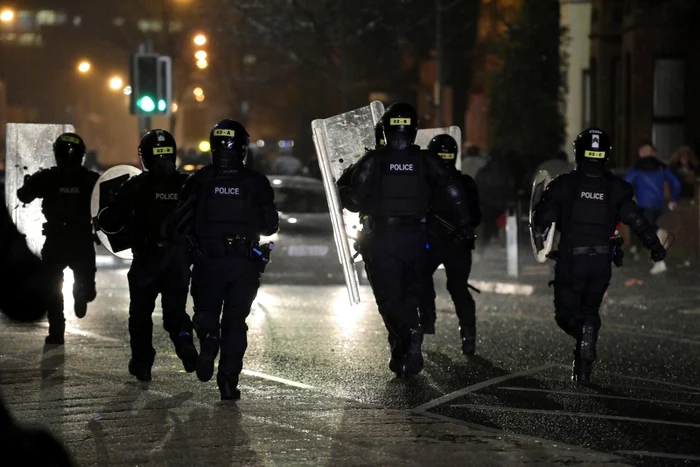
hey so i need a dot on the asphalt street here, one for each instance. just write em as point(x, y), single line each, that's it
point(316, 389)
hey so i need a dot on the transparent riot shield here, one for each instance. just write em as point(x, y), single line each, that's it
point(29, 149)
point(117, 240)
point(541, 245)
point(340, 141)
point(425, 135)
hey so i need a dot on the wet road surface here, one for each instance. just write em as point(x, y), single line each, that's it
point(317, 390)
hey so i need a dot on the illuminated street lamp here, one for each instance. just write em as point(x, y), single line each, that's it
point(7, 15)
point(204, 146)
point(200, 55)
point(202, 64)
point(84, 66)
point(127, 91)
point(200, 39)
point(200, 98)
point(116, 84)
point(174, 107)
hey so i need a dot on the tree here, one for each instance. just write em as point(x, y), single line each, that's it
point(526, 96)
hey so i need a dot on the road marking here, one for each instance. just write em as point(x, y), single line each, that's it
point(576, 414)
point(658, 454)
point(597, 396)
point(80, 332)
point(277, 379)
point(503, 288)
point(481, 385)
point(694, 389)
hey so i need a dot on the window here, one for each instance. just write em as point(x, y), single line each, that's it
point(668, 127)
point(146, 25)
point(50, 18)
point(300, 200)
point(25, 21)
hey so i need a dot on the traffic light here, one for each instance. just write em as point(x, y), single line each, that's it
point(151, 84)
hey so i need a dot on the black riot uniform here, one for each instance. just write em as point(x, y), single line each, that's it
point(142, 205)
point(586, 204)
point(456, 257)
point(226, 207)
point(392, 187)
point(66, 191)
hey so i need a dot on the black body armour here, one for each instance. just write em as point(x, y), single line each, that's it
point(590, 219)
point(67, 202)
point(157, 199)
point(225, 212)
point(402, 187)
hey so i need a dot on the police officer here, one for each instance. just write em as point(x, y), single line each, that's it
point(456, 257)
point(586, 204)
point(392, 186)
point(230, 206)
point(142, 205)
point(66, 190)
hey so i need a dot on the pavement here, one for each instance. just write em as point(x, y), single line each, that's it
point(316, 389)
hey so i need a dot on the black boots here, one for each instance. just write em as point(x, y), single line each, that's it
point(228, 386)
point(468, 335)
point(406, 357)
point(427, 321)
point(54, 338)
point(585, 354)
point(141, 369)
point(186, 351)
point(208, 353)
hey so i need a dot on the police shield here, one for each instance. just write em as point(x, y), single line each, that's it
point(116, 241)
point(541, 245)
point(340, 141)
point(425, 135)
point(29, 149)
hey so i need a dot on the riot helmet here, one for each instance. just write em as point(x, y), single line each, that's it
point(69, 150)
point(592, 150)
point(379, 135)
point(400, 124)
point(229, 145)
point(158, 151)
point(446, 147)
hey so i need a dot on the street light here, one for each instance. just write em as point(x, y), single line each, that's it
point(7, 15)
point(200, 55)
point(127, 91)
point(200, 39)
point(204, 146)
point(202, 64)
point(116, 83)
point(198, 92)
point(174, 107)
point(200, 98)
point(84, 66)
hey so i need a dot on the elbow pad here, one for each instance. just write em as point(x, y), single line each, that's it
point(457, 196)
point(270, 221)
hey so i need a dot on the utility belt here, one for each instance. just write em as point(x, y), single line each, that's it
point(591, 250)
point(613, 250)
point(410, 220)
point(236, 246)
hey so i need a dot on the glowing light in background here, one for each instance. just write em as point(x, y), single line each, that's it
point(174, 107)
point(198, 92)
point(68, 281)
point(200, 39)
point(204, 146)
point(200, 98)
point(200, 55)
point(292, 220)
point(260, 143)
point(7, 15)
point(116, 83)
point(84, 66)
point(277, 181)
point(202, 64)
point(127, 90)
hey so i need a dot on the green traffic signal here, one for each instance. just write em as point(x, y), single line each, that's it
point(162, 106)
point(146, 104)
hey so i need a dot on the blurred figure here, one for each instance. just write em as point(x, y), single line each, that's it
point(496, 189)
point(228, 207)
point(586, 205)
point(649, 177)
point(286, 164)
point(556, 166)
point(24, 296)
point(66, 191)
point(473, 161)
point(685, 165)
point(311, 169)
point(455, 256)
point(142, 205)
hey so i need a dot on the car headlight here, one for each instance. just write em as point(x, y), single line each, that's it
point(269, 238)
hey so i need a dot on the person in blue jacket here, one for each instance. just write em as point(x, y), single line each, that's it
point(648, 176)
